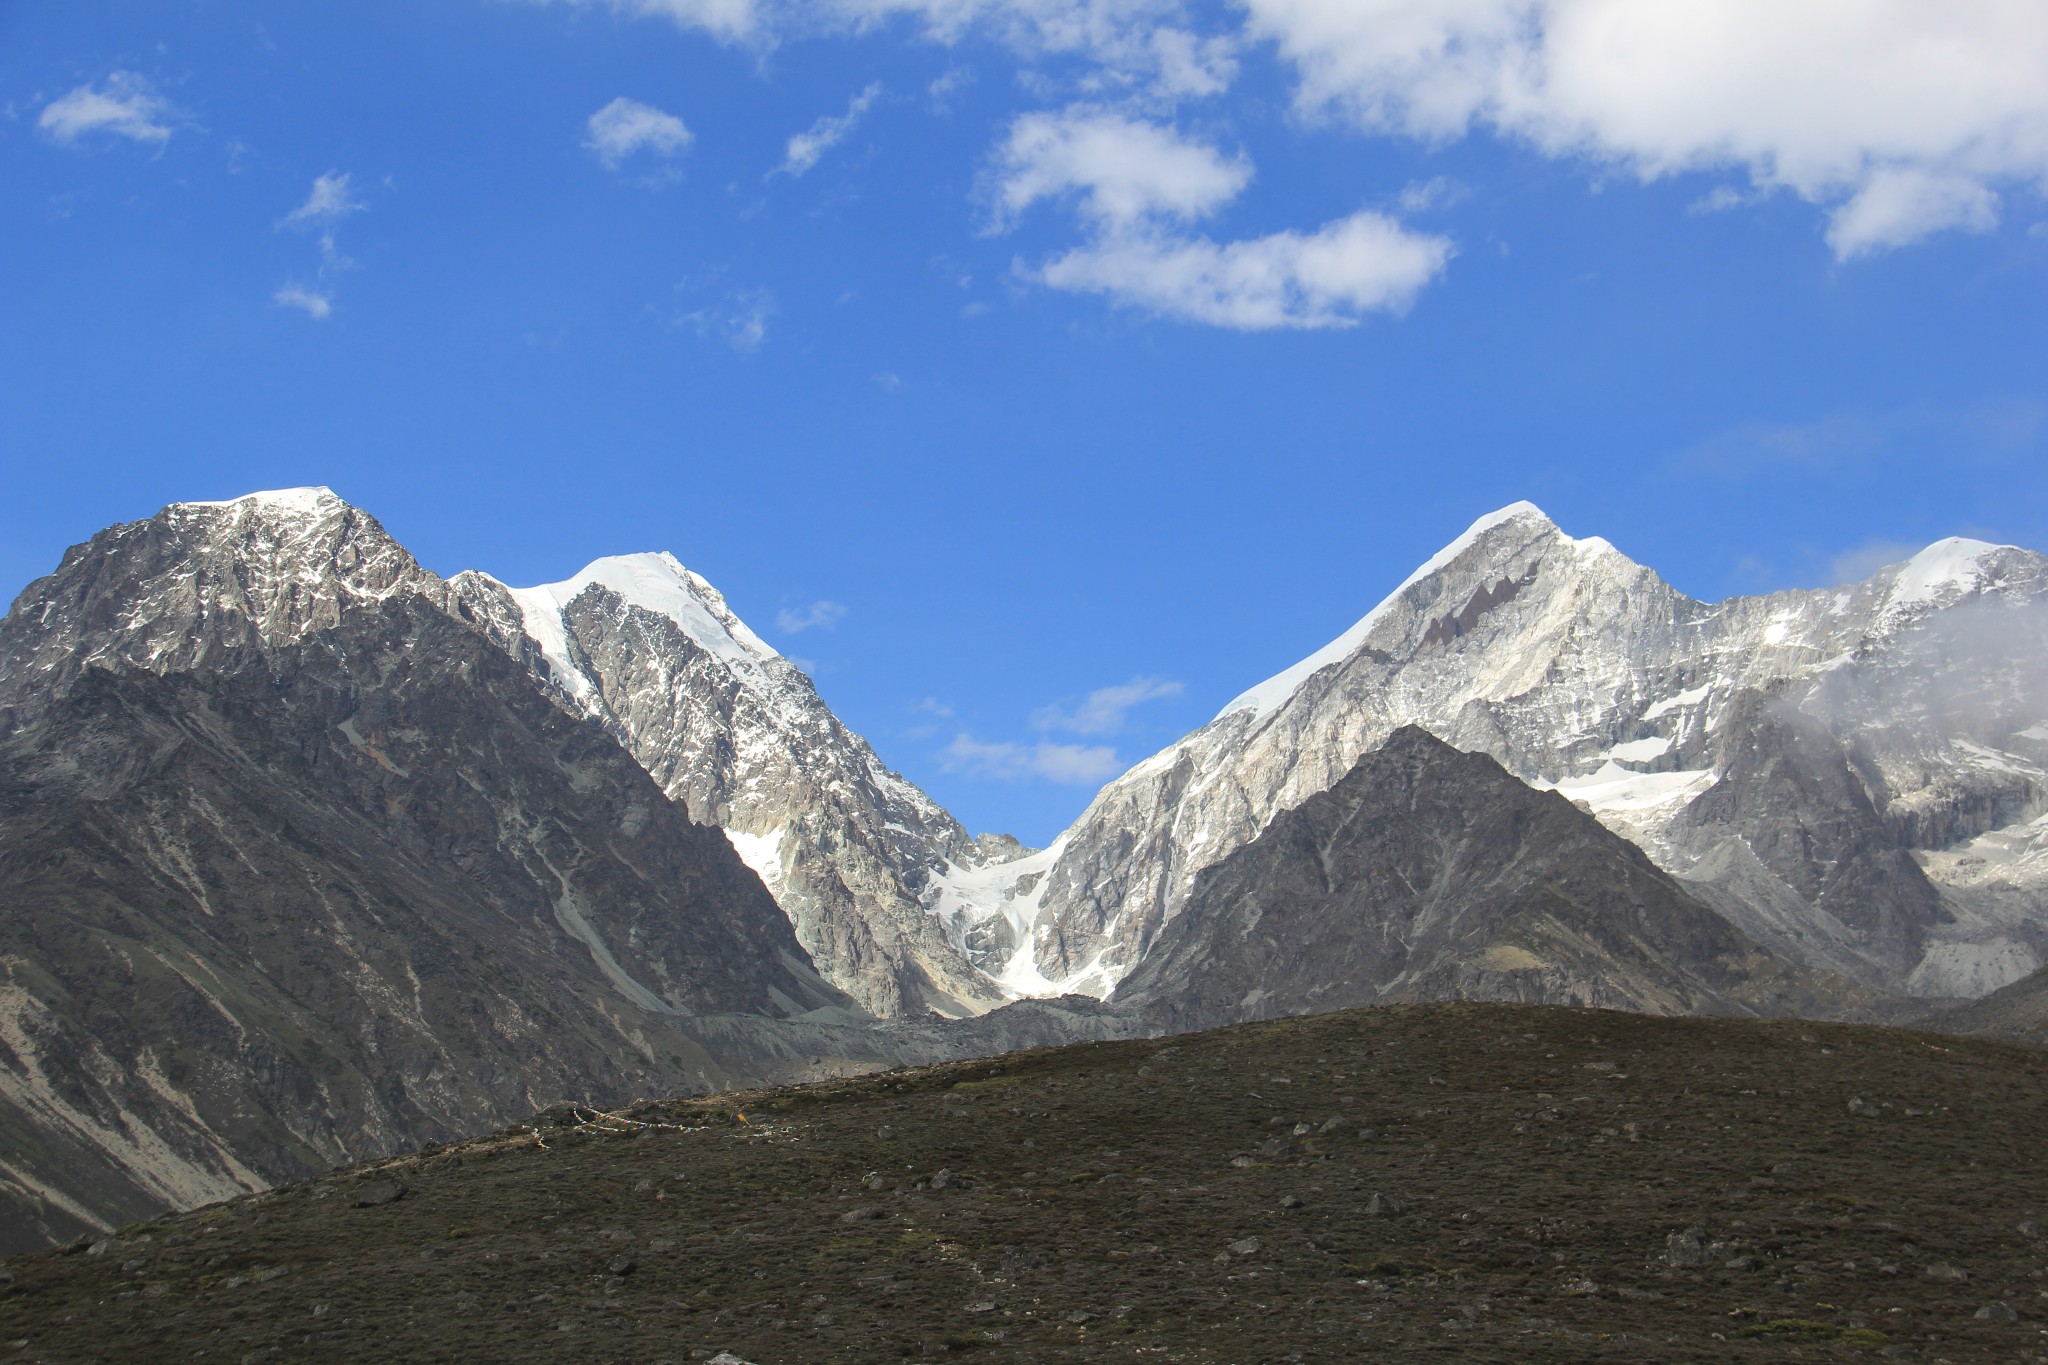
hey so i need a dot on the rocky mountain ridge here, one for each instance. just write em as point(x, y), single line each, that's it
point(310, 855)
point(1677, 722)
point(739, 735)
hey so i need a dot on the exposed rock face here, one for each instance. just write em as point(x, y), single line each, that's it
point(738, 735)
point(363, 891)
point(1430, 874)
point(1914, 706)
point(298, 867)
point(201, 586)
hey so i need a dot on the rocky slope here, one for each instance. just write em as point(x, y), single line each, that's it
point(300, 866)
point(358, 892)
point(1807, 758)
point(738, 735)
point(1426, 873)
point(1496, 1183)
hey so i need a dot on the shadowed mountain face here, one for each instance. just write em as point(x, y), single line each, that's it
point(2016, 1011)
point(360, 892)
point(1426, 873)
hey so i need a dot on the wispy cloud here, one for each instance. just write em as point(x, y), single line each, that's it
point(316, 304)
point(820, 615)
point(739, 318)
point(125, 106)
point(1075, 764)
point(1992, 432)
point(807, 148)
point(331, 199)
point(625, 127)
point(1861, 561)
point(1104, 710)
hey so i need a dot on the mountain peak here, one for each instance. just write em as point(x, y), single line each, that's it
point(657, 581)
point(1526, 516)
point(313, 498)
point(1952, 567)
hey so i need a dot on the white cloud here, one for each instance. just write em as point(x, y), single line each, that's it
point(1362, 264)
point(1102, 28)
point(819, 615)
point(317, 305)
point(808, 147)
point(329, 201)
point(727, 20)
point(1103, 711)
point(1902, 117)
point(1190, 65)
point(949, 84)
point(125, 106)
point(1899, 206)
point(1122, 169)
point(1077, 764)
point(1136, 184)
point(625, 126)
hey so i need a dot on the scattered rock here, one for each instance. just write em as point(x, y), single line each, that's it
point(1691, 1248)
point(434, 1254)
point(1947, 1274)
point(1996, 1312)
point(982, 1306)
point(1290, 1201)
point(1742, 1263)
point(378, 1193)
point(1242, 1160)
point(2030, 1230)
point(727, 1358)
point(1336, 1124)
point(867, 1214)
point(105, 1245)
point(621, 1265)
point(885, 1132)
point(1275, 1147)
point(1246, 1246)
point(1080, 1317)
point(1863, 1108)
point(1584, 1289)
point(1385, 1206)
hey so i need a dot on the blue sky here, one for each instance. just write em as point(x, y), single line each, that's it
point(1068, 349)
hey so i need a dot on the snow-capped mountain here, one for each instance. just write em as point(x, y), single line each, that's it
point(738, 734)
point(1845, 773)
